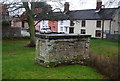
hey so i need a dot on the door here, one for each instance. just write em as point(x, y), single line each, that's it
point(71, 30)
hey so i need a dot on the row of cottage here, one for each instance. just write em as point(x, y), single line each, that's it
point(95, 22)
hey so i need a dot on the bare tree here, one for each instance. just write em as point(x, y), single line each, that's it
point(29, 15)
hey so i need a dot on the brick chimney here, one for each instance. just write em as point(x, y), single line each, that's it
point(99, 4)
point(49, 8)
point(119, 4)
point(66, 7)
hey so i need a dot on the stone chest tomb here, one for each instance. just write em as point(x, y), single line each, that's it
point(55, 49)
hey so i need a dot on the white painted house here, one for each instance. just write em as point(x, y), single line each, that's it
point(44, 24)
point(115, 24)
point(91, 27)
point(63, 26)
point(95, 22)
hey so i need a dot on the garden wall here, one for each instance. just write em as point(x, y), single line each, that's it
point(55, 49)
point(113, 36)
point(8, 31)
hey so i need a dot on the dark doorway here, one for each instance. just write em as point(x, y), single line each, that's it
point(98, 33)
point(23, 26)
point(71, 30)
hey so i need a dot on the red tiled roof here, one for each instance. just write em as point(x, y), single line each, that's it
point(14, 19)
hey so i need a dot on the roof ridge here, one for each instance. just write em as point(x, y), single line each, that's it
point(90, 9)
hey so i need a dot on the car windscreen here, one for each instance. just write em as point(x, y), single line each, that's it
point(48, 28)
point(43, 28)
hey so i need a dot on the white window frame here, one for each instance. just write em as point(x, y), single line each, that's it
point(61, 28)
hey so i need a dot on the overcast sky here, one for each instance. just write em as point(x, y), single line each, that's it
point(85, 4)
point(77, 4)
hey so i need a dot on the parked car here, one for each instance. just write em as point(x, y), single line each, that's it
point(25, 32)
point(45, 30)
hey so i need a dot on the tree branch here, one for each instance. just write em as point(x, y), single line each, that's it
point(37, 23)
point(25, 4)
point(17, 8)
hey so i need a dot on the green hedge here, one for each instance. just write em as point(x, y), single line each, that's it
point(5, 23)
point(16, 37)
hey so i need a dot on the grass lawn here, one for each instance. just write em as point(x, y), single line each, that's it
point(0, 60)
point(18, 63)
point(103, 47)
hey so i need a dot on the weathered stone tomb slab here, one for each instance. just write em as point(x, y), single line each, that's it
point(55, 49)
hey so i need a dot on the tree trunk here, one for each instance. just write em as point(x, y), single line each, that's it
point(102, 29)
point(31, 31)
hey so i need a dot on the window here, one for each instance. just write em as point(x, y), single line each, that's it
point(116, 32)
point(43, 22)
point(66, 29)
point(83, 31)
point(83, 23)
point(98, 33)
point(53, 28)
point(50, 28)
point(61, 22)
point(71, 23)
point(98, 24)
point(54, 22)
point(61, 28)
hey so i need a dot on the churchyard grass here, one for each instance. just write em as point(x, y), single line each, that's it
point(104, 47)
point(0, 60)
point(18, 63)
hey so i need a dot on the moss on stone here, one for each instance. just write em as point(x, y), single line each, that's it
point(77, 59)
point(50, 63)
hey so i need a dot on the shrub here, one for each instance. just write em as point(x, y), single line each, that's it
point(5, 23)
point(105, 65)
point(15, 37)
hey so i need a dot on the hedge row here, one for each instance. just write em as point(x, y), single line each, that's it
point(16, 37)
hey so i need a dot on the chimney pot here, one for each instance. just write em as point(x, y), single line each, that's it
point(66, 7)
point(49, 8)
point(99, 4)
point(119, 4)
